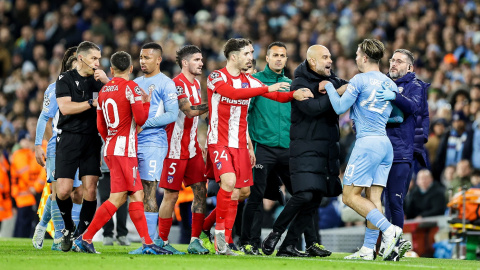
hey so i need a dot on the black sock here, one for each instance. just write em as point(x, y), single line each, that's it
point(86, 215)
point(65, 207)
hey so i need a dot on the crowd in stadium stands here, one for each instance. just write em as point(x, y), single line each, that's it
point(443, 35)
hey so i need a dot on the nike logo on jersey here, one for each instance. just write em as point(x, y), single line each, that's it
point(246, 180)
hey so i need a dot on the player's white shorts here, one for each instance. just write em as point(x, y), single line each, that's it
point(51, 173)
point(370, 162)
point(150, 162)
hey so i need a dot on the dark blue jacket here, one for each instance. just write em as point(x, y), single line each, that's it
point(422, 127)
point(408, 100)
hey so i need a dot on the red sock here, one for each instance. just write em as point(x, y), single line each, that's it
point(210, 220)
point(230, 220)
point(223, 201)
point(164, 225)
point(103, 215)
point(135, 209)
point(197, 224)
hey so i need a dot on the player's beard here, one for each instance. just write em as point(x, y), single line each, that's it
point(195, 71)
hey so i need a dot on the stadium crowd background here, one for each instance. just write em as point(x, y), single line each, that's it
point(443, 35)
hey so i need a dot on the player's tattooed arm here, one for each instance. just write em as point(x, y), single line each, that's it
point(149, 199)
point(199, 204)
point(202, 107)
point(191, 111)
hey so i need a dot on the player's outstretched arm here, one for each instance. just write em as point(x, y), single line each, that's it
point(171, 108)
point(339, 104)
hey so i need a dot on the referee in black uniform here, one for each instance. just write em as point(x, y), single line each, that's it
point(78, 142)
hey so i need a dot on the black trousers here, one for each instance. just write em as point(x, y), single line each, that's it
point(122, 212)
point(299, 213)
point(272, 163)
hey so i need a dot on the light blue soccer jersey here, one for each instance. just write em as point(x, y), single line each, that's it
point(50, 110)
point(372, 155)
point(370, 115)
point(163, 109)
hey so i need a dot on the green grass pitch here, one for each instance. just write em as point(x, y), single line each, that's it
point(20, 254)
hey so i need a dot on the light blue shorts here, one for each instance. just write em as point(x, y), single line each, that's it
point(370, 162)
point(150, 162)
point(51, 173)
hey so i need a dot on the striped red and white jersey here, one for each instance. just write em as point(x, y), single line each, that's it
point(228, 117)
point(119, 110)
point(182, 134)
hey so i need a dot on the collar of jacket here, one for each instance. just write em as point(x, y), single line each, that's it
point(410, 76)
point(304, 70)
point(271, 74)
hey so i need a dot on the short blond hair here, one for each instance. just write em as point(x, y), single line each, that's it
point(373, 48)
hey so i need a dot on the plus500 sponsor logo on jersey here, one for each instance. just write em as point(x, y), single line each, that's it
point(235, 102)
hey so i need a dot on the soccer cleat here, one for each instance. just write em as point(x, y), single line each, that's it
point(108, 241)
point(403, 247)
point(250, 250)
point(220, 243)
point(123, 241)
point(196, 247)
point(159, 242)
point(290, 251)
point(155, 250)
point(84, 246)
point(390, 240)
point(57, 246)
point(234, 249)
point(207, 243)
point(268, 245)
point(137, 251)
point(364, 253)
point(394, 256)
point(67, 239)
point(317, 250)
point(38, 236)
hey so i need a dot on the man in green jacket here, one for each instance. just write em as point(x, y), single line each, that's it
point(269, 129)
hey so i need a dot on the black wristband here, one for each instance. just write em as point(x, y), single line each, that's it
point(90, 102)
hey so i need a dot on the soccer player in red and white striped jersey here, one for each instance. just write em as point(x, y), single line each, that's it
point(229, 92)
point(184, 162)
point(122, 105)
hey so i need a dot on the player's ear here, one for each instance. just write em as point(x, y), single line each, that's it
point(112, 71)
point(131, 69)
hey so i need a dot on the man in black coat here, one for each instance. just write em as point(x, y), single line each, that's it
point(314, 155)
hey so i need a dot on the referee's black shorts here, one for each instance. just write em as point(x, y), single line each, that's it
point(80, 151)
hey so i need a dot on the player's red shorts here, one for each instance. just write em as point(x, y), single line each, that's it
point(209, 174)
point(124, 174)
point(190, 171)
point(231, 160)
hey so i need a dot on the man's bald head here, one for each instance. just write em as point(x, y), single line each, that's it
point(319, 59)
point(315, 50)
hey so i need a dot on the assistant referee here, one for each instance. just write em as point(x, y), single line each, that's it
point(78, 142)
